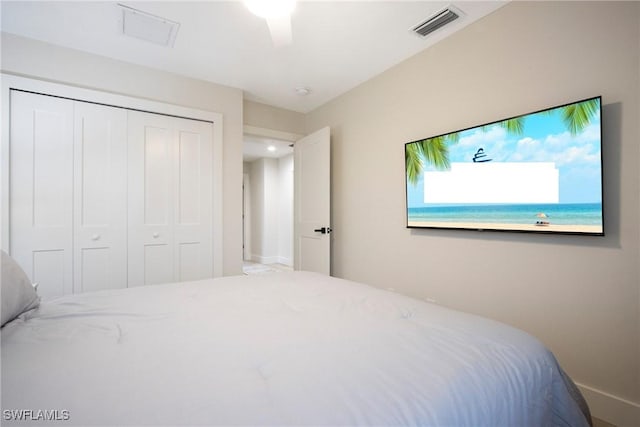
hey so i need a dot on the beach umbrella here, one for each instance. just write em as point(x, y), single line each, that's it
point(542, 215)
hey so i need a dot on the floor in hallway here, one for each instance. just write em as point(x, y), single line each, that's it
point(249, 267)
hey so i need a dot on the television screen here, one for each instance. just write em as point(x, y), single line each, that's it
point(538, 172)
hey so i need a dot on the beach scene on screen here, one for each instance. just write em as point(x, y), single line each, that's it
point(536, 172)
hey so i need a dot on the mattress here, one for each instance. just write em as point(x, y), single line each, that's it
point(281, 349)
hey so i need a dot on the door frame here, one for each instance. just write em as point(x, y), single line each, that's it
point(11, 82)
point(246, 217)
point(272, 134)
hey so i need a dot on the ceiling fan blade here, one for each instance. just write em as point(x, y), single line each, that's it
point(280, 29)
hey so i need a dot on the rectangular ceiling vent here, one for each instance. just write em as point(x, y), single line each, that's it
point(145, 26)
point(436, 21)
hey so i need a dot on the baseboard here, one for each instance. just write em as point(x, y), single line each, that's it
point(271, 260)
point(264, 259)
point(610, 408)
point(285, 261)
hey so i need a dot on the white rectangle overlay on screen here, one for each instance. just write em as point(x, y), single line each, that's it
point(493, 182)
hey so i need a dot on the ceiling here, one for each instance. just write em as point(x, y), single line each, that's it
point(257, 147)
point(336, 44)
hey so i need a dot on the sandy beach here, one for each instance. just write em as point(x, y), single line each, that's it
point(561, 228)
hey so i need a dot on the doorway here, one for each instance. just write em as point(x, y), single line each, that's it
point(267, 205)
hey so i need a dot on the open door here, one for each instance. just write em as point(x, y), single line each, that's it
point(312, 202)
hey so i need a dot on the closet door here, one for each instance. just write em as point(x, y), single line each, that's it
point(41, 190)
point(170, 199)
point(100, 201)
point(193, 186)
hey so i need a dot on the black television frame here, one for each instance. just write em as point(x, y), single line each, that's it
point(542, 222)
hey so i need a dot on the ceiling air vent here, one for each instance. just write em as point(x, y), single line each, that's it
point(145, 26)
point(436, 21)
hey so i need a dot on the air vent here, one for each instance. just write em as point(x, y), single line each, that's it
point(436, 21)
point(145, 26)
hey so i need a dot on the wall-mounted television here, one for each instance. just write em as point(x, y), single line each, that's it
point(536, 172)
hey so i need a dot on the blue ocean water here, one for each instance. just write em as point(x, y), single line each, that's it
point(567, 213)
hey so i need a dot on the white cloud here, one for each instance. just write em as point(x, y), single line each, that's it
point(528, 143)
point(563, 148)
point(479, 137)
point(557, 141)
point(590, 134)
point(491, 139)
point(584, 154)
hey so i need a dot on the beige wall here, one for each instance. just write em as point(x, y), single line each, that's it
point(264, 210)
point(43, 61)
point(268, 117)
point(578, 294)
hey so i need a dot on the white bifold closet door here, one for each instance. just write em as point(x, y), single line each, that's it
point(103, 197)
point(170, 199)
point(100, 205)
point(67, 181)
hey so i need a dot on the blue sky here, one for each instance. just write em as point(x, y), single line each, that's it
point(545, 139)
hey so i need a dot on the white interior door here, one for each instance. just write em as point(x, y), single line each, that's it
point(41, 190)
point(100, 202)
point(312, 201)
point(170, 199)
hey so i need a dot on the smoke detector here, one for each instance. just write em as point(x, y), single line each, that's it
point(145, 26)
point(436, 21)
point(302, 91)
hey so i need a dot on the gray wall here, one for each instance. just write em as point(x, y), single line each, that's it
point(578, 294)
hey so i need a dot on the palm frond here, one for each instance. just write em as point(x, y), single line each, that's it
point(513, 126)
point(431, 151)
point(436, 152)
point(578, 116)
point(413, 159)
point(452, 138)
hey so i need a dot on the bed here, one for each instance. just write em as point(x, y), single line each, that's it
point(281, 349)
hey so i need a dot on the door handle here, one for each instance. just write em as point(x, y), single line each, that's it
point(323, 230)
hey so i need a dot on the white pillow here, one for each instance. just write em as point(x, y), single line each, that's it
point(18, 294)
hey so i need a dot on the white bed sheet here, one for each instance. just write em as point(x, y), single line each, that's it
point(282, 349)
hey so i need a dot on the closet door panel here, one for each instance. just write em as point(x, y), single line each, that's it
point(170, 199)
point(41, 189)
point(193, 227)
point(151, 194)
point(51, 272)
point(190, 261)
point(94, 270)
point(158, 263)
point(189, 172)
point(100, 204)
point(158, 168)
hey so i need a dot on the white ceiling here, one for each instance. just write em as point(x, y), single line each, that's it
point(257, 147)
point(336, 44)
